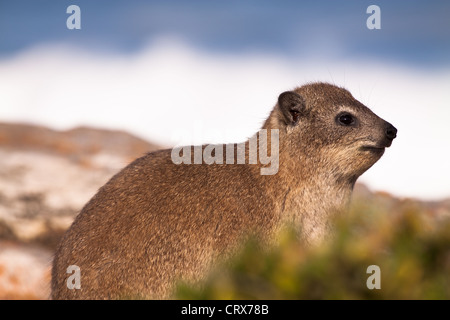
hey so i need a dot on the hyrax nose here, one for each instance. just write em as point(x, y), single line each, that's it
point(391, 132)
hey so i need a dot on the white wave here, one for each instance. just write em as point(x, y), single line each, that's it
point(171, 93)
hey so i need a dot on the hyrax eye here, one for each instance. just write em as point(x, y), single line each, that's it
point(345, 119)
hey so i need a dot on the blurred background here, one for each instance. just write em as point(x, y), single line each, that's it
point(78, 105)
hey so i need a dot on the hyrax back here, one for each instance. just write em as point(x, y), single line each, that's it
point(157, 221)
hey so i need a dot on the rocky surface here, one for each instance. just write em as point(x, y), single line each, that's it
point(46, 176)
point(24, 271)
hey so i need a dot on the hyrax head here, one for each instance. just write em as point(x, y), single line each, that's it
point(339, 132)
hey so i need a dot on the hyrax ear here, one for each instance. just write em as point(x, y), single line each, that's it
point(292, 107)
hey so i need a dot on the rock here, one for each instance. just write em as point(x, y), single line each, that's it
point(24, 271)
point(46, 176)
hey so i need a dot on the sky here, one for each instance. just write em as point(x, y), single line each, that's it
point(182, 72)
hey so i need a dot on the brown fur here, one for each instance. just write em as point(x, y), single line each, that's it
point(155, 221)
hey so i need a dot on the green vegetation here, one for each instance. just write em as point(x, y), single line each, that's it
point(410, 245)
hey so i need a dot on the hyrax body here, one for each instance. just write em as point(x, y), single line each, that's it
point(156, 221)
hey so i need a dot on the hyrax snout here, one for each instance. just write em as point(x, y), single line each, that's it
point(162, 218)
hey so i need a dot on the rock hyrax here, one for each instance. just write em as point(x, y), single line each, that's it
point(157, 221)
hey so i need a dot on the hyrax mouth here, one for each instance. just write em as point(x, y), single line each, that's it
point(374, 149)
point(374, 146)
